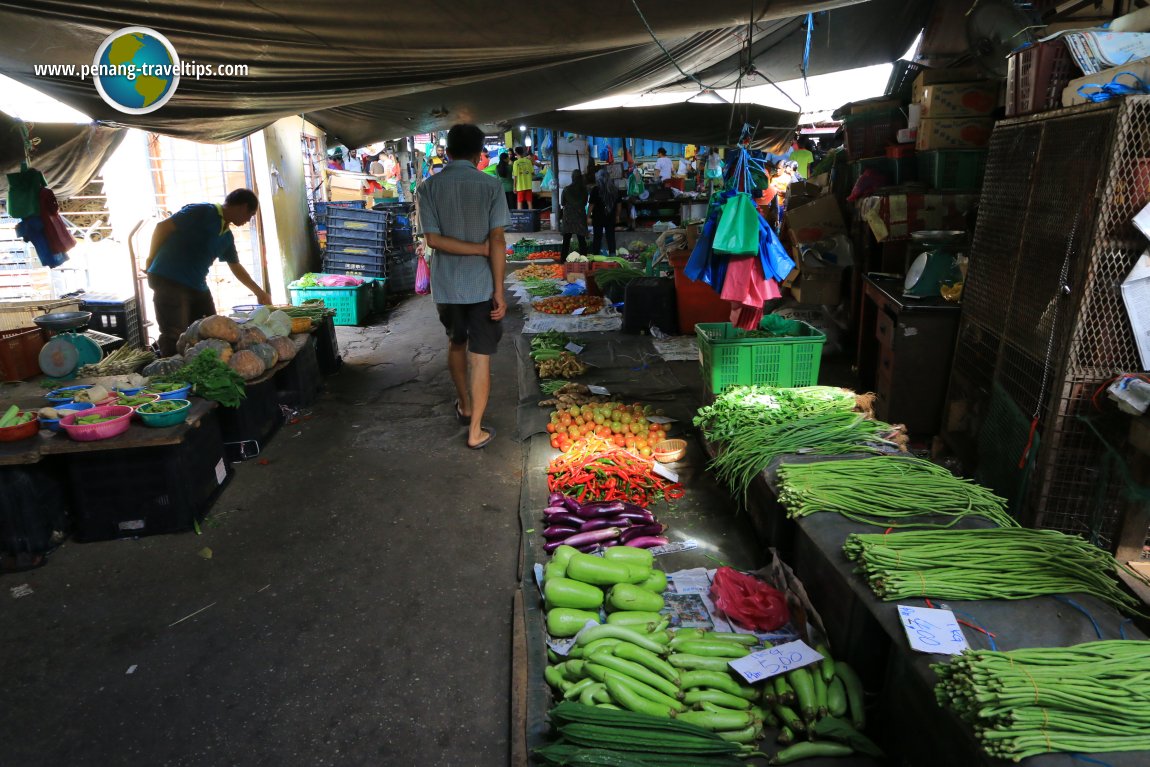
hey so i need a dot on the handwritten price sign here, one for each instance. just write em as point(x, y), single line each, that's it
point(775, 660)
point(932, 631)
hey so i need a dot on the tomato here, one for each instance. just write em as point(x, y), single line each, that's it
point(645, 452)
point(619, 441)
point(573, 431)
point(636, 427)
point(555, 442)
point(565, 420)
point(550, 428)
point(574, 410)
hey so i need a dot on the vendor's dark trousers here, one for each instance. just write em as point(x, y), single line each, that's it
point(567, 243)
point(597, 231)
point(177, 306)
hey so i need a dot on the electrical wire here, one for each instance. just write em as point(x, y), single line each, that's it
point(663, 48)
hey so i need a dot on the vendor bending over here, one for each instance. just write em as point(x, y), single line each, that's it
point(183, 249)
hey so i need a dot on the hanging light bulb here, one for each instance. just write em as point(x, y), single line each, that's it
point(523, 128)
point(442, 141)
point(527, 141)
point(708, 96)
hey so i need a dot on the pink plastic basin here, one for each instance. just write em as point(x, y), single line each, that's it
point(95, 431)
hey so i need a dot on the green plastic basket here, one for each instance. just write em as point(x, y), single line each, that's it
point(729, 358)
point(351, 304)
point(956, 170)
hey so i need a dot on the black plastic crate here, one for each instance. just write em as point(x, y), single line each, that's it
point(401, 272)
point(524, 221)
point(372, 260)
point(337, 241)
point(148, 490)
point(298, 384)
point(327, 347)
point(114, 315)
point(356, 235)
point(247, 428)
point(34, 515)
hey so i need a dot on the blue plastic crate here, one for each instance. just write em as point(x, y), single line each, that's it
point(338, 243)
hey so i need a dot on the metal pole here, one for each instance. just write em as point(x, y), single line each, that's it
point(554, 181)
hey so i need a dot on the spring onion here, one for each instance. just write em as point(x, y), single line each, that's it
point(830, 432)
point(887, 491)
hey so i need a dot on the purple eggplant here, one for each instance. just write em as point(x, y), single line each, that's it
point(648, 541)
point(559, 532)
point(599, 509)
point(639, 531)
point(551, 511)
point(595, 524)
point(588, 548)
point(622, 522)
point(555, 499)
point(634, 507)
point(567, 519)
point(572, 505)
point(593, 536)
point(550, 546)
point(636, 516)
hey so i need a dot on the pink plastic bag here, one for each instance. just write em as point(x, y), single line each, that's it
point(748, 601)
point(422, 276)
point(338, 281)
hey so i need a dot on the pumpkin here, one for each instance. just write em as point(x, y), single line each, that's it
point(222, 349)
point(250, 335)
point(219, 327)
point(284, 347)
point(189, 337)
point(164, 366)
point(247, 363)
point(267, 353)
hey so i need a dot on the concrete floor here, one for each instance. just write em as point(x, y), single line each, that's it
point(355, 608)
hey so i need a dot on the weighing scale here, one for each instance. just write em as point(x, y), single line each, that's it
point(936, 265)
point(68, 350)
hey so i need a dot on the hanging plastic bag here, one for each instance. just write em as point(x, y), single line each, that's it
point(749, 602)
point(634, 184)
point(422, 277)
point(548, 179)
point(60, 240)
point(738, 229)
point(24, 193)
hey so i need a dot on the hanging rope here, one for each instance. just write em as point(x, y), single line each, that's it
point(29, 142)
point(663, 48)
point(807, 51)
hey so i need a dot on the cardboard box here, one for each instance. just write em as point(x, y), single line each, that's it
point(972, 99)
point(1070, 95)
point(822, 181)
point(952, 75)
point(954, 133)
point(821, 285)
point(816, 220)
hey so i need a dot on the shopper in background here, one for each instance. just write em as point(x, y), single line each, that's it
point(506, 177)
point(574, 222)
point(803, 157)
point(523, 169)
point(461, 215)
point(437, 162)
point(604, 201)
point(183, 248)
point(663, 167)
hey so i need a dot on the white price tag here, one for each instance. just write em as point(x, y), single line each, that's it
point(563, 646)
point(775, 660)
point(579, 311)
point(660, 419)
point(599, 390)
point(221, 472)
point(573, 347)
point(932, 631)
point(664, 472)
point(538, 570)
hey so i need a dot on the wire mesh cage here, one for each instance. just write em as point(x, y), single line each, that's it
point(1043, 323)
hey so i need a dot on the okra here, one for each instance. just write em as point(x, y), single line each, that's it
point(689, 661)
point(633, 701)
point(601, 673)
point(608, 631)
point(714, 720)
point(718, 697)
point(637, 654)
point(715, 648)
point(719, 680)
point(636, 671)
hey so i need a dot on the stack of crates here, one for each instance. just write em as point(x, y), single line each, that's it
point(115, 316)
point(400, 247)
point(356, 242)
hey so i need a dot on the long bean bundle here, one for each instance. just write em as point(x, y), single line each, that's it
point(740, 407)
point(1000, 563)
point(1090, 698)
point(887, 491)
point(830, 432)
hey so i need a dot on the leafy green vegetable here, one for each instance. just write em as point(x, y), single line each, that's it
point(163, 406)
point(211, 379)
point(89, 420)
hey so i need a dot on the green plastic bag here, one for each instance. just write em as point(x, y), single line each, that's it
point(24, 193)
point(634, 184)
point(738, 231)
point(548, 179)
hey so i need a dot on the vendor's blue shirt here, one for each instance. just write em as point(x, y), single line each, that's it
point(201, 237)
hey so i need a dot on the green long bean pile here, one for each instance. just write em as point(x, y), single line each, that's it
point(831, 432)
point(1091, 698)
point(741, 407)
point(999, 563)
point(887, 491)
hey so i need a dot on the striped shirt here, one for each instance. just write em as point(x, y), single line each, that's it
point(466, 204)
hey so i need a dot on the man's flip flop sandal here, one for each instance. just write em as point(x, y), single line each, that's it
point(490, 436)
